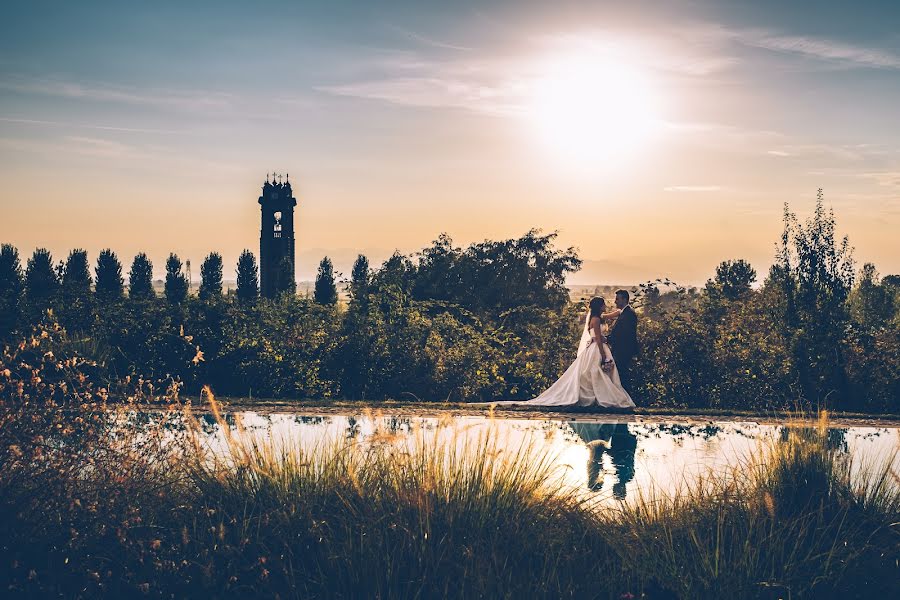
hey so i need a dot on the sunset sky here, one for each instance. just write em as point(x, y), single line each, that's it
point(657, 137)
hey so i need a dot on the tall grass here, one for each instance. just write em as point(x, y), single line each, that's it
point(431, 515)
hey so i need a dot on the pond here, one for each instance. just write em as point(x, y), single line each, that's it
point(610, 459)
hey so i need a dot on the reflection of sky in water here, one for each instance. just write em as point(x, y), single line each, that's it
point(615, 460)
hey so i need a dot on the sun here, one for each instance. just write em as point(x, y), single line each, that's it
point(592, 113)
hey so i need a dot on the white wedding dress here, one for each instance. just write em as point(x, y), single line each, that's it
point(584, 383)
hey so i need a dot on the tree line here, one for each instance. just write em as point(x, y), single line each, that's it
point(493, 320)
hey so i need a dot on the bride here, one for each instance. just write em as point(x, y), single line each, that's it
point(592, 380)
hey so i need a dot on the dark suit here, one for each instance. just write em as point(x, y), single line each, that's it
point(624, 344)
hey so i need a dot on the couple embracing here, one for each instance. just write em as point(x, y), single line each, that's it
point(601, 373)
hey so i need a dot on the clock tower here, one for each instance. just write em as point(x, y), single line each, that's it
point(276, 237)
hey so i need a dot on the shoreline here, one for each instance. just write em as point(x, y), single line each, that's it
point(441, 409)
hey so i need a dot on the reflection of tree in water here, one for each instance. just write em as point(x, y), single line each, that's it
point(307, 420)
point(399, 424)
point(835, 437)
point(616, 440)
point(679, 431)
point(352, 428)
point(209, 425)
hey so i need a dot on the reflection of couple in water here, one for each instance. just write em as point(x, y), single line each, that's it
point(613, 439)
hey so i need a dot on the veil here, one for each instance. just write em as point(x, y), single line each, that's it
point(586, 334)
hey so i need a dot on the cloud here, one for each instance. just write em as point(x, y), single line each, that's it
point(692, 188)
point(434, 92)
point(426, 40)
point(819, 48)
point(88, 126)
point(196, 100)
point(890, 179)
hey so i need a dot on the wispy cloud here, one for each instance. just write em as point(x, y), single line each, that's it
point(436, 92)
point(693, 188)
point(198, 100)
point(840, 152)
point(426, 40)
point(819, 48)
point(42, 122)
point(890, 179)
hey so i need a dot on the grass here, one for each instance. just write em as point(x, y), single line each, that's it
point(117, 511)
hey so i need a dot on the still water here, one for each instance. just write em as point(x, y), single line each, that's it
point(610, 460)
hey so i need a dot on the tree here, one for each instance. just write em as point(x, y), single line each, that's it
point(110, 284)
point(734, 279)
point(211, 277)
point(871, 302)
point(41, 281)
point(397, 272)
point(438, 274)
point(247, 277)
point(140, 278)
point(76, 279)
point(176, 282)
point(326, 289)
point(75, 308)
point(285, 282)
point(494, 276)
point(11, 286)
point(815, 274)
point(359, 279)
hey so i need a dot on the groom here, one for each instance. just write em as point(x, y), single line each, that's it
point(623, 339)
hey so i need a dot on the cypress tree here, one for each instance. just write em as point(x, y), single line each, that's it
point(41, 281)
point(285, 282)
point(76, 279)
point(140, 278)
point(211, 277)
point(176, 281)
point(359, 279)
point(326, 289)
point(247, 277)
point(110, 284)
point(75, 308)
point(11, 286)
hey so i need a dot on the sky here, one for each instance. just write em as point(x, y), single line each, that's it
point(659, 138)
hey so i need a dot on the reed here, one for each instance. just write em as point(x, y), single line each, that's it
point(432, 513)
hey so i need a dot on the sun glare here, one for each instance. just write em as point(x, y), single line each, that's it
point(592, 113)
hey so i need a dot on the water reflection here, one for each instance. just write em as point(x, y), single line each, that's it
point(611, 460)
point(613, 440)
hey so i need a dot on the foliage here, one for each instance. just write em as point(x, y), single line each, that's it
point(176, 286)
point(75, 304)
point(325, 291)
point(11, 287)
point(495, 276)
point(872, 303)
point(285, 280)
point(140, 278)
point(733, 280)
point(41, 282)
point(409, 333)
point(211, 277)
point(815, 275)
point(359, 279)
point(109, 283)
point(247, 277)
